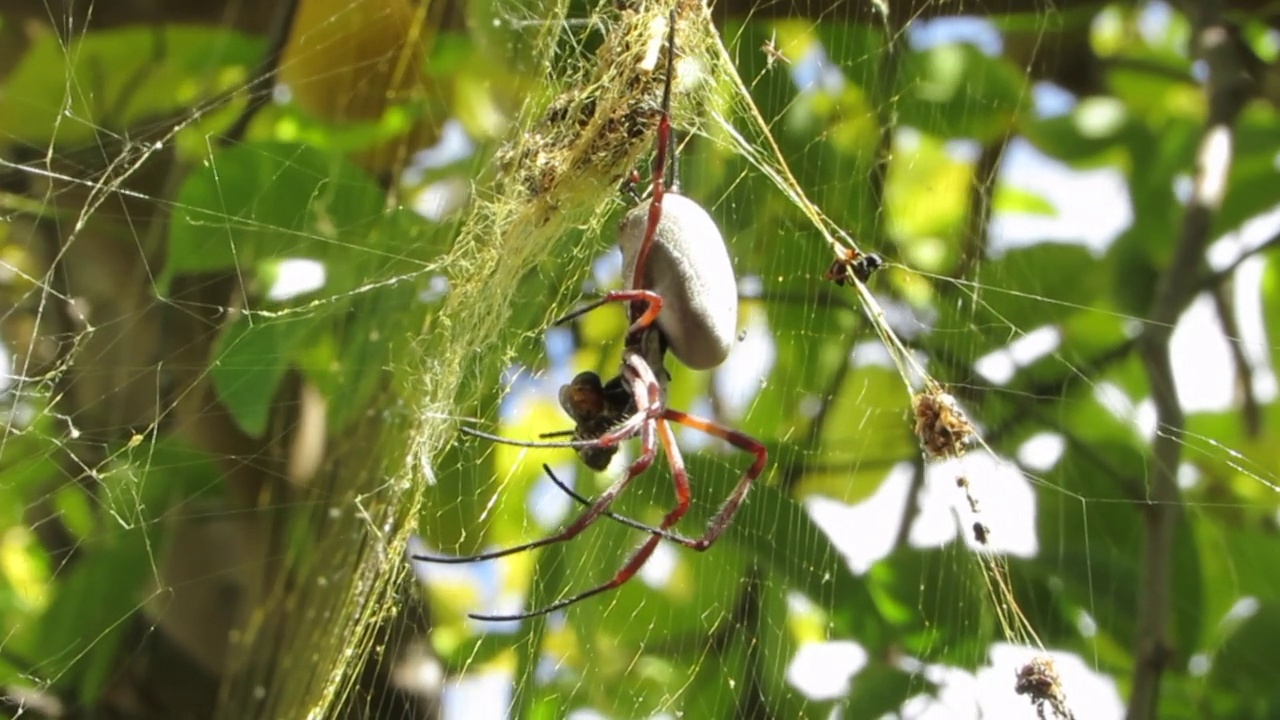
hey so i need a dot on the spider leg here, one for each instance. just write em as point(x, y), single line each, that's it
point(724, 516)
point(629, 522)
point(555, 433)
point(740, 440)
point(651, 301)
point(642, 554)
point(628, 428)
point(659, 160)
point(640, 386)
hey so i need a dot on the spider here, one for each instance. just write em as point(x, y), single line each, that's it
point(682, 297)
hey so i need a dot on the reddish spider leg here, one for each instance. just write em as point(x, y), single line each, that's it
point(724, 516)
point(684, 495)
point(641, 554)
point(641, 385)
point(657, 185)
point(647, 394)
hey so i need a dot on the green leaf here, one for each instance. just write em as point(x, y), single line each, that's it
point(1090, 136)
point(1016, 200)
point(30, 461)
point(937, 602)
point(1103, 472)
point(1025, 289)
point(257, 202)
point(927, 195)
point(95, 603)
point(719, 693)
point(1251, 186)
point(353, 344)
point(880, 689)
point(1241, 682)
point(868, 421)
point(1133, 274)
point(956, 91)
point(1154, 91)
point(1188, 592)
point(775, 644)
point(248, 363)
point(803, 370)
point(1271, 305)
point(1229, 554)
point(66, 92)
point(149, 477)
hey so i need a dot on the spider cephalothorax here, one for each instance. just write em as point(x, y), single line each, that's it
point(595, 409)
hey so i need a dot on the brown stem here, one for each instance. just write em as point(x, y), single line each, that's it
point(1249, 407)
point(911, 509)
point(259, 90)
point(1226, 89)
point(981, 194)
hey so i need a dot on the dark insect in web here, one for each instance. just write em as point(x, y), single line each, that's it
point(853, 263)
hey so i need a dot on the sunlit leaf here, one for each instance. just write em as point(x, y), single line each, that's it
point(258, 202)
point(65, 93)
point(250, 361)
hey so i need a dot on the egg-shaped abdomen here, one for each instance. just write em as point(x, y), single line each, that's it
point(688, 265)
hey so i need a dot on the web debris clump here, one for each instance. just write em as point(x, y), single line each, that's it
point(941, 425)
point(1039, 679)
point(592, 133)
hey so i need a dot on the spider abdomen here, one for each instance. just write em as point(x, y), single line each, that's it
point(688, 265)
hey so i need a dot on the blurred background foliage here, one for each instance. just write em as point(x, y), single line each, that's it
point(207, 480)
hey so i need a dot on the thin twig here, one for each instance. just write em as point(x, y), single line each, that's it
point(259, 90)
point(981, 201)
point(1226, 91)
point(911, 509)
point(1213, 278)
point(1249, 407)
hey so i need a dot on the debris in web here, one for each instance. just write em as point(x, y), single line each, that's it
point(591, 134)
point(962, 482)
point(981, 533)
point(853, 263)
point(941, 425)
point(1039, 679)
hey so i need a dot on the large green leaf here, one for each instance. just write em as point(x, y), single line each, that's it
point(1241, 683)
point(93, 608)
point(1091, 135)
point(249, 361)
point(957, 91)
point(1253, 187)
point(937, 602)
point(880, 689)
point(257, 202)
point(1271, 305)
point(1023, 290)
point(109, 80)
point(1230, 555)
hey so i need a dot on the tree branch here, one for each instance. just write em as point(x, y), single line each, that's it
point(1227, 90)
point(260, 87)
point(1249, 407)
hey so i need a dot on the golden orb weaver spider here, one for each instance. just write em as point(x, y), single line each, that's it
point(681, 297)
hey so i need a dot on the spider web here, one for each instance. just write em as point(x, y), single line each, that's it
point(238, 366)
